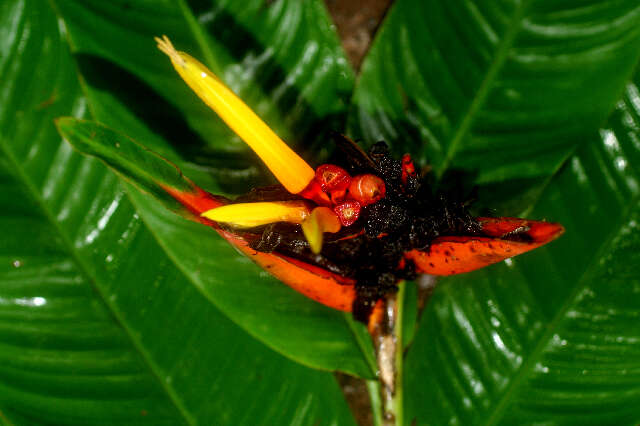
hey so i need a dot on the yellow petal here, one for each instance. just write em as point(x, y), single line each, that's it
point(247, 215)
point(321, 220)
point(287, 166)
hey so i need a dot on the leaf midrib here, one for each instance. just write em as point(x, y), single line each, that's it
point(547, 336)
point(485, 87)
point(35, 194)
point(84, 270)
point(210, 59)
point(198, 34)
point(75, 256)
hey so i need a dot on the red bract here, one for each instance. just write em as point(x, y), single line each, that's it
point(319, 284)
point(504, 238)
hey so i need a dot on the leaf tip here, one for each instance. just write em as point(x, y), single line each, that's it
point(65, 127)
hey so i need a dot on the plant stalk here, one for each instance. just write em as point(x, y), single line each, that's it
point(386, 334)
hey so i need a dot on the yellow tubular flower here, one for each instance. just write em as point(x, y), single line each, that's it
point(287, 166)
point(321, 220)
point(247, 215)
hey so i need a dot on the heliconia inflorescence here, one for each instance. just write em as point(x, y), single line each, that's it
point(345, 234)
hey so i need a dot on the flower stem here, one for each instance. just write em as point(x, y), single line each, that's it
point(387, 341)
point(399, 355)
point(376, 403)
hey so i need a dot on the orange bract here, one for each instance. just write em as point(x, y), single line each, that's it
point(332, 186)
point(316, 283)
point(507, 237)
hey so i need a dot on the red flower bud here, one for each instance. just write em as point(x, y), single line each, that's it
point(348, 212)
point(367, 189)
point(408, 169)
point(332, 178)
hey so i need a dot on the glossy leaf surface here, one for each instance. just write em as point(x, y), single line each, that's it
point(245, 300)
point(502, 90)
point(551, 336)
point(108, 315)
point(331, 344)
point(98, 324)
point(282, 58)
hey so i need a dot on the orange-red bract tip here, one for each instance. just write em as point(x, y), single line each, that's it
point(196, 201)
point(538, 231)
point(507, 237)
point(376, 318)
point(323, 286)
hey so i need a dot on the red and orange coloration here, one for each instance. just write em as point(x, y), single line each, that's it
point(408, 169)
point(332, 178)
point(348, 212)
point(316, 283)
point(367, 189)
point(384, 206)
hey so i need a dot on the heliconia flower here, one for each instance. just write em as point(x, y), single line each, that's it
point(346, 234)
point(471, 245)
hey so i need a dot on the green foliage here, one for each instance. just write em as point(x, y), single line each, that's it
point(552, 336)
point(115, 310)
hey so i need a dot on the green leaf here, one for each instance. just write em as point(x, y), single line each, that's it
point(551, 337)
point(501, 90)
point(148, 170)
point(282, 58)
point(288, 321)
point(97, 325)
point(318, 336)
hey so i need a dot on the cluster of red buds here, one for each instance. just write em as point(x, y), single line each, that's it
point(332, 199)
point(333, 187)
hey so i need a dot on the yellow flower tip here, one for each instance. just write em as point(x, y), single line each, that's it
point(321, 220)
point(287, 166)
point(165, 45)
point(248, 215)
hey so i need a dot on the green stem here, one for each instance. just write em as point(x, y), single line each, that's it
point(386, 333)
point(373, 386)
point(398, 331)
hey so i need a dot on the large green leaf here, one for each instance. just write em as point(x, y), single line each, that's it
point(503, 90)
point(97, 324)
point(318, 336)
point(551, 337)
point(279, 316)
point(282, 58)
